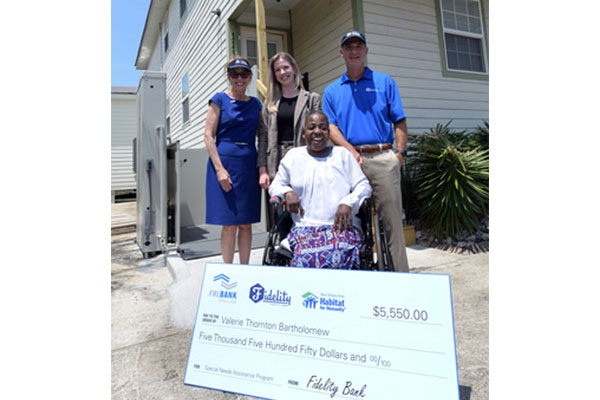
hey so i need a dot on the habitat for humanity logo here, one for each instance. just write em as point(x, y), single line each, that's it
point(310, 300)
point(278, 298)
point(227, 295)
point(329, 302)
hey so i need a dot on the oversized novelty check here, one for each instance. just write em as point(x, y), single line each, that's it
point(299, 333)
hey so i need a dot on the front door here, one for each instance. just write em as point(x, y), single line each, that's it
point(249, 49)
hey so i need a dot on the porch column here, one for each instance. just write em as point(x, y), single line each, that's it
point(261, 46)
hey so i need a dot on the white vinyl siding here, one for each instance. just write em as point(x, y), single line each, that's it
point(199, 49)
point(122, 131)
point(403, 42)
point(317, 28)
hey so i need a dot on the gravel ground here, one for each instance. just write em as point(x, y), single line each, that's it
point(478, 242)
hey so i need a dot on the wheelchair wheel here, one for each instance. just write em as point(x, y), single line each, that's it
point(273, 254)
point(365, 213)
point(378, 249)
point(269, 251)
point(384, 257)
point(389, 262)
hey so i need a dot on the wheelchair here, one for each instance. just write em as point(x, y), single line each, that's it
point(374, 253)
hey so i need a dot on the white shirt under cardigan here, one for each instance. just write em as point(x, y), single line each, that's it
point(321, 184)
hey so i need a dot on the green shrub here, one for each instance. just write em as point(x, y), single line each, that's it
point(480, 137)
point(447, 181)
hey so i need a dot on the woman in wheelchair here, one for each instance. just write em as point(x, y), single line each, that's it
point(322, 187)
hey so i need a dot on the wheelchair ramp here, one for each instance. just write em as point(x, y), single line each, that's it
point(199, 241)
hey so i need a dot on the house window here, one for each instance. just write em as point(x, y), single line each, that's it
point(253, 52)
point(462, 25)
point(186, 110)
point(165, 36)
point(185, 104)
point(182, 7)
point(168, 112)
point(249, 49)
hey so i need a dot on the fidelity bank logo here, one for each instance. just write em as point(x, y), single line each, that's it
point(227, 295)
point(279, 297)
point(328, 302)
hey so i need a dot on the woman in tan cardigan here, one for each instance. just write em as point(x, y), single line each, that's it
point(286, 108)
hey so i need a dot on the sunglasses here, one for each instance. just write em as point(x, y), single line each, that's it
point(244, 74)
point(358, 47)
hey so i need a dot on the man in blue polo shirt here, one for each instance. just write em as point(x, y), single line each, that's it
point(366, 117)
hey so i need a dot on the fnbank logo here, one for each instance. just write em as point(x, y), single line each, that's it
point(226, 296)
point(328, 302)
point(225, 281)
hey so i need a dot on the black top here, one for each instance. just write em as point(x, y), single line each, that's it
point(285, 119)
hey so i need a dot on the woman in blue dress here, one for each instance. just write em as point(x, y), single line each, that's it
point(232, 189)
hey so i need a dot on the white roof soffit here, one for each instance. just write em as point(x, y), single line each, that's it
point(155, 16)
point(283, 4)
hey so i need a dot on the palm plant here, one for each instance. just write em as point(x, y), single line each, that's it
point(450, 180)
point(480, 136)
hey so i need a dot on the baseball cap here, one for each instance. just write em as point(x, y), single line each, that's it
point(353, 34)
point(239, 63)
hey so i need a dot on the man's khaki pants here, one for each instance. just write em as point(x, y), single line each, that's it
point(383, 171)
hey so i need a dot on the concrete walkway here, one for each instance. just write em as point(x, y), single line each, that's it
point(151, 322)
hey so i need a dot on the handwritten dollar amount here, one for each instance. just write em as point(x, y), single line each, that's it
point(400, 313)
